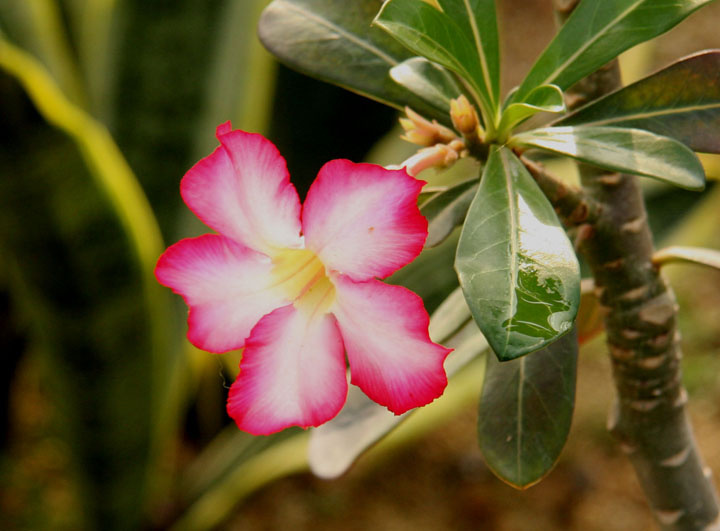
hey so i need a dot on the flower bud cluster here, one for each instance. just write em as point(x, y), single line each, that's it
point(423, 132)
point(442, 146)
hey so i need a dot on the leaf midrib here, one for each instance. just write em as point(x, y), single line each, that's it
point(344, 33)
point(518, 434)
point(480, 51)
point(651, 114)
point(562, 67)
point(512, 210)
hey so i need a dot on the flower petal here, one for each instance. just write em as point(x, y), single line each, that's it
point(385, 331)
point(226, 285)
point(292, 373)
point(243, 191)
point(362, 220)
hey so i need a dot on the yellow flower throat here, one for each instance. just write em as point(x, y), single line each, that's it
point(301, 275)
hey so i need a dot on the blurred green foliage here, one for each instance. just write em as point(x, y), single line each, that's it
point(103, 107)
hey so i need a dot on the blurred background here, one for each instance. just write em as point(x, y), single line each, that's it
point(109, 419)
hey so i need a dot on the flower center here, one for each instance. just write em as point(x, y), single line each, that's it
point(301, 275)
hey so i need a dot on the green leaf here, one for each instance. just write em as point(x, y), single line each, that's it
point(231, 468)
point(478, 20)
point(431, 82)
point(597, 32)
point(516, 266)
point(447, 210)
point(83, 241)
point(681, 101)
point(38, 28)
point(526, 410)
point(692, 255)
point(449, 317)
point(333, 41)
point(431, 33)
point(545, 98)
point(627, 150)
point(431, 274)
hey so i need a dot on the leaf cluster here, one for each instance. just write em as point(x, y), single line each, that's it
point(515, 264)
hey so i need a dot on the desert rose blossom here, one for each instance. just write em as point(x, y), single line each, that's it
point(297, 287)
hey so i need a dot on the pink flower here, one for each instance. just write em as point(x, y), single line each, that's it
point(297, 288)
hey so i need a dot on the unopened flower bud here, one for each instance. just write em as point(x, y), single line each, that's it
point(438, 156)
point(417, 135)
point(422, 131)
point(463, 115)
point(458, 145)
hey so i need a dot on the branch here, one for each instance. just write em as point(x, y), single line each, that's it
point(572, 204)
point(649, 417)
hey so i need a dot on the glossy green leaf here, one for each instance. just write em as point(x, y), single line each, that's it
point(545, 98)
point(429, 32)
point(681, 101)
point(691, 255)
point(526, 410)
point(335, 445)
point(598, 31)
point(430, 81)
point(627, 150)
point(334, 41)
point(478, 20)
point(516, 266)
point(447, 210)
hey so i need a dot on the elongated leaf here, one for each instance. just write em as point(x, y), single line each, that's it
point(333, 41)
point(627, 150)
point(449, 317)
point(597, 32)
point(431, 33)
point(692, 255)
point(237, 465)
point(37, 27)
point(431, 274)
point(84, 241)
point(431, 82)
point(547, 98)
point(516, 266)
point(681, 101)
point(96, 28)
point(526, 411)
point(447, 210)
point(478, 20)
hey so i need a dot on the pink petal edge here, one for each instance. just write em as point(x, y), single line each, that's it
point(227, 287)
point(363, 220)
point(385, 331)
point(292, 373)
point(243, 190)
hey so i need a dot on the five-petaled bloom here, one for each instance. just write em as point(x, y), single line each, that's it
point(298, 287)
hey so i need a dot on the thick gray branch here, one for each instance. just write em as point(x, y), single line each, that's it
point(649, 418)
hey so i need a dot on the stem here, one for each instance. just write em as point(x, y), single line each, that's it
point(649, 418)
point(572, 204)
